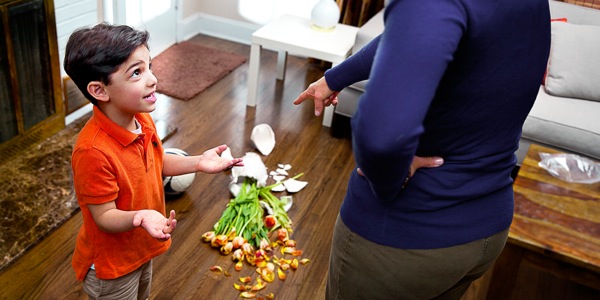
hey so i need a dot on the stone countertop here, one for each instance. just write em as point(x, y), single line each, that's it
point(36, 192)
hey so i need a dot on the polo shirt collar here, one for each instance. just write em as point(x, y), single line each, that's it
point(122, 135)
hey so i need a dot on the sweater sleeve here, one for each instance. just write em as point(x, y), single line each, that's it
point(354, 69)
point(418, 43)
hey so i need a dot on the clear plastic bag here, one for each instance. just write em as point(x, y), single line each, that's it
point(570, 167)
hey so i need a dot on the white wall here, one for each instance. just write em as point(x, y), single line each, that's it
point(253, 11)
point(235, 20)
point(70, 15)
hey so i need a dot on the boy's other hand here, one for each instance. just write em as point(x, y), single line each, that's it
point(155, 223)
point(211, 161)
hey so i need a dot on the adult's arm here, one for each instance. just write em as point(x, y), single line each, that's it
point(354, 69)
point(325, 90)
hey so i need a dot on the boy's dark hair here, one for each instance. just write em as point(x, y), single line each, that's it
point(93, 54)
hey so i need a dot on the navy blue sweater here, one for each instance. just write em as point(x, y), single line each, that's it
point(449, 78)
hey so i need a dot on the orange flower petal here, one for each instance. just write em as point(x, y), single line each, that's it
point(238, 241)
point(239, 287)
point(304, 261)
point(266, 275)
point(245, 279)
point(238, 265)
point(247, 295)
point(281, 274)
point(216, 268)
point(207, 236)
point(258, 286)
point(250, 259)
point(221, 240)
point(261, 264)
point(282, 234)
point(226, 249)
point(238, 254)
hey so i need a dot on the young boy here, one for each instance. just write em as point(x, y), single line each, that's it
point(118, 163)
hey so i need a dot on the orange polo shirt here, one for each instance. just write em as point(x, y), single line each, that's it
point(111, 163)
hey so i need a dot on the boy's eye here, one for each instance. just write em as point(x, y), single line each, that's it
point(136, 73)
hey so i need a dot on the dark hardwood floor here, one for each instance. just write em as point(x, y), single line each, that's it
point(216, 116)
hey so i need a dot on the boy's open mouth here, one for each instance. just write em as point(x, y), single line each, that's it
point(150, 97)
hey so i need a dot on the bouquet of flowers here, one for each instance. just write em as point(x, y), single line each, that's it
point(248, 220)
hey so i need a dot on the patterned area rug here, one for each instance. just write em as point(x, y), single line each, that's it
point(36, 192)
point(186, 69)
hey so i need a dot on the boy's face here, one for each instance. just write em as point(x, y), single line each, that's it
point(132, 86)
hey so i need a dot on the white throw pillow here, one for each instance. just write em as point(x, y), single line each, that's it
point(574, 63)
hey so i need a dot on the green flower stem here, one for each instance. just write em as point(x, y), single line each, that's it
point(244, 216)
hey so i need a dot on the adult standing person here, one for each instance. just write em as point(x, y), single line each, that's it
point(450, 78)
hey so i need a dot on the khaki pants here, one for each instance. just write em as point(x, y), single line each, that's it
point(135, 285)
point(360, 269)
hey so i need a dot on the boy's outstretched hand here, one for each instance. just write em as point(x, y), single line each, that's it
point(155, 223)
point(211, 161)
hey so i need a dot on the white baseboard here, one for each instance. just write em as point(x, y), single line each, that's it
point(227, 29)
point(79, 113)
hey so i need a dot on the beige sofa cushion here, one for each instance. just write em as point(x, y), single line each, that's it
point(567, 123)
point(571, 70)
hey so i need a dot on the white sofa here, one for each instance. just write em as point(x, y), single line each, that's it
point(569, 124)
point(565, 122)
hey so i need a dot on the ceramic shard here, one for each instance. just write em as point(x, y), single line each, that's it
point(263, 138)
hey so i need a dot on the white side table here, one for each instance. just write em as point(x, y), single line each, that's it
point(290, 33)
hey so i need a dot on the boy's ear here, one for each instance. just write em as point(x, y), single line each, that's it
point(97, 90)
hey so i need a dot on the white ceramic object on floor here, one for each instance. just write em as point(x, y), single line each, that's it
point(227, 153)
point(282, 172)
point(263, 138)
point(285, 167)
point(325, 15)
point(253, 168)
point(278, 178)
point(293, 185)
point(266, 207)
point(278, 188)
point(235, 188)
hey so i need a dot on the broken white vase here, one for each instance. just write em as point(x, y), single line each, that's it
point(227, 153)
point(278, 188)
point(293, 185)
point(253, 168)
point(263, 138)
